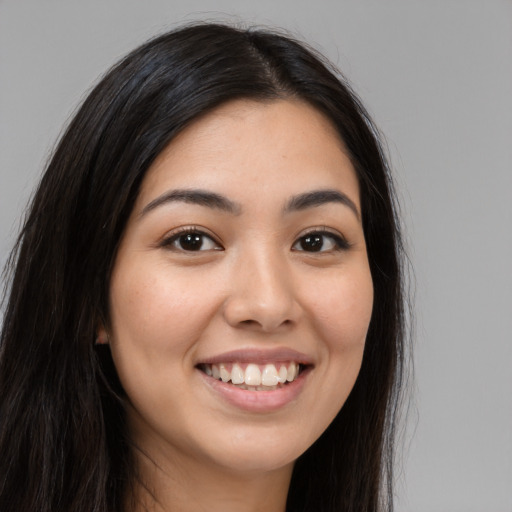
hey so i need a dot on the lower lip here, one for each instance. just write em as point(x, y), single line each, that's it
point(258, 401)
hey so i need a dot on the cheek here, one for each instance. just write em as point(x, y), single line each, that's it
point(158, 312)
point(157, 316)
point(342, 311)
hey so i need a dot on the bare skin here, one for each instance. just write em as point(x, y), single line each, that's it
point(244, 251)
point(190, 490)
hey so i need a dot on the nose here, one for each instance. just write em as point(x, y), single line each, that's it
point(262, 296)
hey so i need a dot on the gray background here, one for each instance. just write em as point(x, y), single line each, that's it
point(437, 76)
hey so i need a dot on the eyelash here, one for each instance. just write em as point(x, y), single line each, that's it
point(339, 242)
point(171, 242)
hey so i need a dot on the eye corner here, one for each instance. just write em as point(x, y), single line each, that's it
point(319, 241)
point(191, 240)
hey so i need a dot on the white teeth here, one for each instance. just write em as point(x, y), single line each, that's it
point(292, 372)
point(252, 375)
point(224, 374)
point(269, 375)
point(253, 378)
point(237, 374)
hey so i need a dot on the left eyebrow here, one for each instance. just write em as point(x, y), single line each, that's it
point(319, 198)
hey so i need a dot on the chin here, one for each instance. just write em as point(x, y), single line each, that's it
point(259, 450)
point(252, 462)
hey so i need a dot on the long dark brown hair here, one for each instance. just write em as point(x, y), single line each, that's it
point(64, 445)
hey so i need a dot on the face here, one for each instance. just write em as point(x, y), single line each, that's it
point(241, 293)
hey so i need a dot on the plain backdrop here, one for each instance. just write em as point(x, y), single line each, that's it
point(437, 77)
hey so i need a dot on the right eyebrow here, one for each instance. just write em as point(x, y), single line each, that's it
point(193, 196)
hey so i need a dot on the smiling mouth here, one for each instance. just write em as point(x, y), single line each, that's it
point(254, 377)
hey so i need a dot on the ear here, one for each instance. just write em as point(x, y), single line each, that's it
point(101, 336)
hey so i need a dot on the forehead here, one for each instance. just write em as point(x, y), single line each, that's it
point(249, 148)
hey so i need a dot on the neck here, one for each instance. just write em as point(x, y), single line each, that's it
point(178, 485)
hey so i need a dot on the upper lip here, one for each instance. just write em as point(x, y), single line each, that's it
point(261, 356)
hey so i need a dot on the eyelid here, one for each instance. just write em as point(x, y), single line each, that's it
point(169, 238)
point(339, 239)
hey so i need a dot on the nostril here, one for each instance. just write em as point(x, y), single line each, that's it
point(266, 324)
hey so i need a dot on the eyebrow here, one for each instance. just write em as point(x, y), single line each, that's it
point(218, 202)
point(318, 198)
point(199, 197)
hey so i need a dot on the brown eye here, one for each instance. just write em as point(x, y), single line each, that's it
point(320, 241)
point(313, 243)
point(191, 241)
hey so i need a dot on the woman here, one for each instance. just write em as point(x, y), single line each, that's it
point(205, 309)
